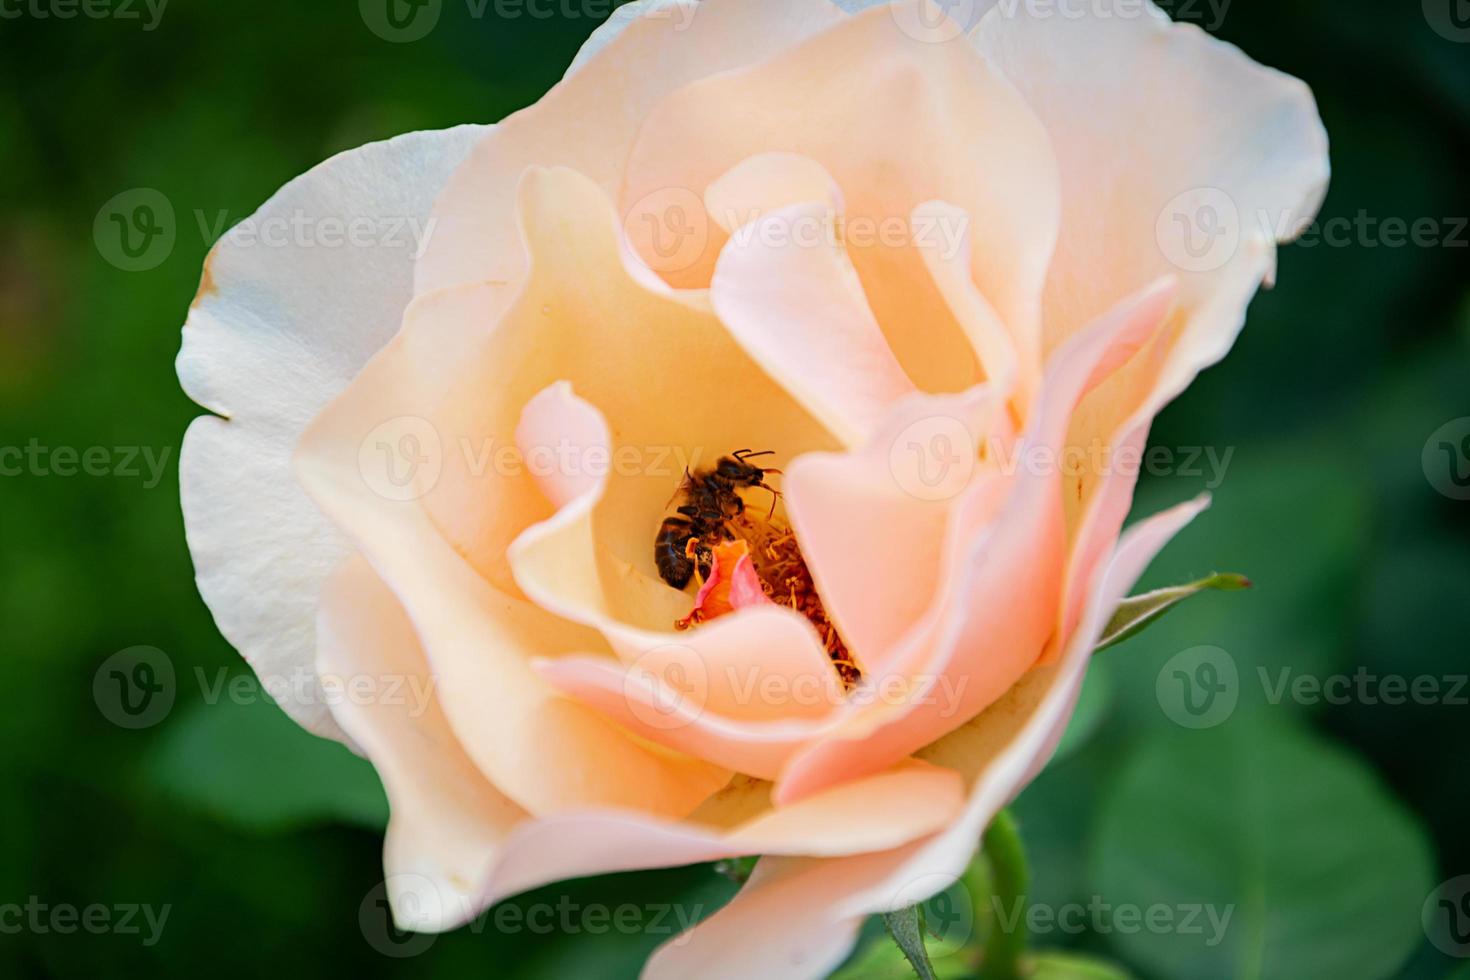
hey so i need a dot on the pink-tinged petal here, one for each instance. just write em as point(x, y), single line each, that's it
point(808, 911)
point(274, 334)
point(556, 418)
point(448, 822)
point(732, 584)
point(874, 523)
point(1098, 526)
point(588, 121)
point(884, 811)
point(797, 307)
point(708, 695)
point(897, 122)
point(745, 586)
point(997, 606)
point(1008, 353)
point(1194, 131)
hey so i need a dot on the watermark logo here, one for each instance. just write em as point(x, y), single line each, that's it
point(935, 21)
point(419, 907)
point(667, 687)
point(933, 458)
point(135, 231)
point(670, 227)
point(401, 21)
point(402, 458)
point(401, 917)
point(948, 910)
point(135, 688)
point(1446, 459)
point(1198, 687)
point(1199, 230)
point(1450, 19)
point(1446, 917)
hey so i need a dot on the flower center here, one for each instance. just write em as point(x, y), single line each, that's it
point(738, 557)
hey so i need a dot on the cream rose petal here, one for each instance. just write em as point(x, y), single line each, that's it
point(897, 122)
point(277, 330)
point(447, 822)
point(797, 307)
point(588, 122)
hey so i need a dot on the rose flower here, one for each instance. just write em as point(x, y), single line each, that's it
point(903, 295)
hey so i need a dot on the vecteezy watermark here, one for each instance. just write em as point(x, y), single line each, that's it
point(1209, 14)
point(137, 230)
point(940, 21)
point(64, 919)
point(1198, 687)
point(404, 21)
point(302, 229)
point(148, 12)
point(403, 458)
point(1450, 19)
point(673, 231)
point(1209, 922)
point(935, 458)
point(127, 462)
point(1446, 459)
point(1200, 230)
point(948, 910)
point(135, 688)
point(1201, 687)
point(670, 686)
point(1446, 917)
point(399, 917)
point(1363, 687)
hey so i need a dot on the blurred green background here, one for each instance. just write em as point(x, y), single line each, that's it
point(1325, 827)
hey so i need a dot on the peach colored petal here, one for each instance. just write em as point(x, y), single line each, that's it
point(887, 810)
point(561, 565)
point(273, 335)
point(897, 122)
point(543, 751)
point(732, 584)
point(797, 307)
point(1008, 354)
point(808, 911)
point(768, 182)
point(589, 120)
point(874, 522)
point(448, 823)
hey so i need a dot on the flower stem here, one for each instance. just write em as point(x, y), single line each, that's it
point(1006, 855)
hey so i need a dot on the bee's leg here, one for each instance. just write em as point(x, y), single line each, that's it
point(775, 497)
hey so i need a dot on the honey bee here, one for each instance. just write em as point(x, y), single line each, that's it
point(709, 500)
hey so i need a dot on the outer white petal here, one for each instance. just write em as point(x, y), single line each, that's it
point(290, 308)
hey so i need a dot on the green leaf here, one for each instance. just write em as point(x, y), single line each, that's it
point(907, 928)
point(1256, 850)
point(249, 765)
point(885, 961)
point(1134, 614)
point(1053, 965)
